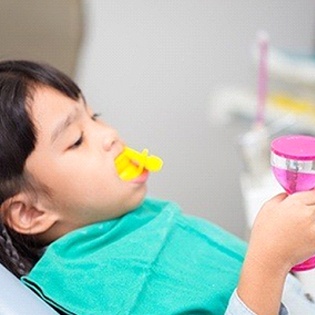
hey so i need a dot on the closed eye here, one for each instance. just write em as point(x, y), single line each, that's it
point(95, 116)
point(78, 142)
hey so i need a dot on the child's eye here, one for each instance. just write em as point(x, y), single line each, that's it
point(77, 143)
point(95, 116)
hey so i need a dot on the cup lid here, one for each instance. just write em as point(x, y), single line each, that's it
point(295, 147)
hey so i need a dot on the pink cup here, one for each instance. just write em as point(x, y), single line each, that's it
point(293, 164)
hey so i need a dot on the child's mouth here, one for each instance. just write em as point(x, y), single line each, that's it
point(130, 164)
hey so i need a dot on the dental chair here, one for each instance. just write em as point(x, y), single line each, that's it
point(17, 299)
point(49, 31)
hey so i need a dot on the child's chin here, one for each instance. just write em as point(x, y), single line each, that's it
point(137, 203)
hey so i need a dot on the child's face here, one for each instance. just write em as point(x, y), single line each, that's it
point(74, 157)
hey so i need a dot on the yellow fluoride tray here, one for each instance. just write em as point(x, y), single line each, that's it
point(131, 163)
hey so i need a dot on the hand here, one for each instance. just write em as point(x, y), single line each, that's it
point(284, 231)
point(283, 235)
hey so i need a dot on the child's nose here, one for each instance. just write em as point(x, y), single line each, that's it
point(110, 138)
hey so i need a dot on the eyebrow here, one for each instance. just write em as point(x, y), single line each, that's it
point(64, 124)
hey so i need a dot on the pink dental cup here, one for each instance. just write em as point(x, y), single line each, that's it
point(293, 164)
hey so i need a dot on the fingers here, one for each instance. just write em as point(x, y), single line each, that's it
point(277, 199)
point(307, 197)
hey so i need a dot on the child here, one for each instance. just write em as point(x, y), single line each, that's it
point(90, 243)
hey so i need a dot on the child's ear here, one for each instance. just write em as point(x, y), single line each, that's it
point(26, 216)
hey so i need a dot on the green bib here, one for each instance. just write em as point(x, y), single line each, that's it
point(153, 260)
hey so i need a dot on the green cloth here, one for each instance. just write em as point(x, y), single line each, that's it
point(153, 260)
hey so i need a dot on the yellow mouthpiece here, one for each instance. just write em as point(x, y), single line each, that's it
point(131, 163)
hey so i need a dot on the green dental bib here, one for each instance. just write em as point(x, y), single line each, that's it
point(151, 261)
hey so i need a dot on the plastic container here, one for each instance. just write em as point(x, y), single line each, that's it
point(130, 163)
point(293, 164)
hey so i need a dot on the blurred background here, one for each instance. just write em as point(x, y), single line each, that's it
point(175, 76)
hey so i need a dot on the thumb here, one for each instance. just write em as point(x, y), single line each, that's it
point(277, 199)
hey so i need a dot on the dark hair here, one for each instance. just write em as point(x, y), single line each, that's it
point(18, 81)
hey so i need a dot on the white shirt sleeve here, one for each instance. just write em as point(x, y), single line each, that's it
point(238, 307)
point(296, 299)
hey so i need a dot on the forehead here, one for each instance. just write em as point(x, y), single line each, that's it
point(49, 106)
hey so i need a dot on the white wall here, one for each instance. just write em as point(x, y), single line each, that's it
point(150, 66)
